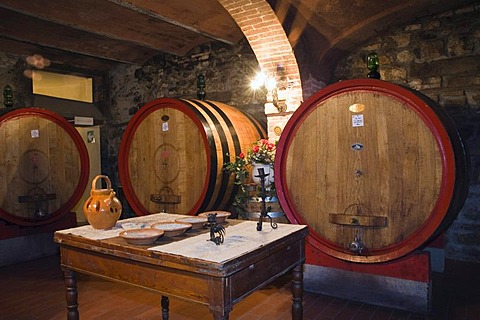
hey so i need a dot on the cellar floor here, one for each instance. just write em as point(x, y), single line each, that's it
point(35, 290)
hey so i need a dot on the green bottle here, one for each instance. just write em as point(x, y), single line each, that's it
point(8, 96)
point(201, 94)
point(372, 65)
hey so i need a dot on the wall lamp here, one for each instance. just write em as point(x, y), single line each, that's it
point(276, 86)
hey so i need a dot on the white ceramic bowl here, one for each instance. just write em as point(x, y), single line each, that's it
point(196, 221)
point(132, 225)
point(141, 236)
point(172, 228)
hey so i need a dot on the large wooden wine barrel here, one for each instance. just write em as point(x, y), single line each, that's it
point(44, 166)
point(173, 152)
point(374, 169)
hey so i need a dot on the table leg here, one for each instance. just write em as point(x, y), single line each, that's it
point(220, 315)
point(71, 295)
point(297, 292)
point(165, 303)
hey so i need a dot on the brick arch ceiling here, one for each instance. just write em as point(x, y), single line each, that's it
point(268, 40)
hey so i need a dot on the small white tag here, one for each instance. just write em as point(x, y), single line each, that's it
point(83, 121)
point(34, 133)
point(165, 126)
point(357, 120)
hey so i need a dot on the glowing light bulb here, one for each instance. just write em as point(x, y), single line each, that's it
point(258, 81)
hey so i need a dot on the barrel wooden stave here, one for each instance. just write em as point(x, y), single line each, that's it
point(194, 143)
point(405, 173)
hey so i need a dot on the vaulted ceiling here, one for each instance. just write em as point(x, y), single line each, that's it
point(96, 34)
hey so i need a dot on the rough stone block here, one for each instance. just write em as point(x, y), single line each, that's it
point(452, 66)
point(459, 80)
point(405, 56)
point(431, 50)
point(459, 100)
point(401, 40)
point(473, 97)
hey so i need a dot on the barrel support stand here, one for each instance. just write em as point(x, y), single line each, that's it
point(404, 283)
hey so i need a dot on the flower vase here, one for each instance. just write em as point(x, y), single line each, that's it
point(267, 169)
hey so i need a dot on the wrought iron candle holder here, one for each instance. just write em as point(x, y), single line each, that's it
point(217, 232)
point(264, 212)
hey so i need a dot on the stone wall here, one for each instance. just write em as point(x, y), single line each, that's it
point(440, 57)
point(11, 73)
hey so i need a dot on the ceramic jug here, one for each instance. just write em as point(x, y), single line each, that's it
point(102, 209)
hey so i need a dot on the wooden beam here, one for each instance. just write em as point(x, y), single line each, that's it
point(206, 17)
point(60, 59)
point(110, 20)
point(19, 27)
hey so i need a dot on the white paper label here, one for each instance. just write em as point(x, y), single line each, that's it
point(165, 126)
point(357, 120)
point(34, 133)
point(83, 121)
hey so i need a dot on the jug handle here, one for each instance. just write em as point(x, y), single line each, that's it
point(94, 181)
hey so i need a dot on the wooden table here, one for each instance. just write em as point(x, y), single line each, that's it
point(188, 267)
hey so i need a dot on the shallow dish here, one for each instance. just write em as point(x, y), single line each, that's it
point(195, 221)
point(132, 225)
point(172, 228)
point(141, 236)
point(221, 215)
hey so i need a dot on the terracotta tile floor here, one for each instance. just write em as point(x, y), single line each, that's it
point(35, 290)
